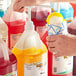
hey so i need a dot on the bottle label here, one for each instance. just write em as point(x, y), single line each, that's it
point(36, 69)
point(13, 39)
point(12, 74)
point(62, 65)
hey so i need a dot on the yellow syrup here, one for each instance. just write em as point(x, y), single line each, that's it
point(31, 62)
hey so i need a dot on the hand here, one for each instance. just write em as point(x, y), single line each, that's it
point(19, 4)
point(63, 45)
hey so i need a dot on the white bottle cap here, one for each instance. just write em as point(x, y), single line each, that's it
point(29, 25)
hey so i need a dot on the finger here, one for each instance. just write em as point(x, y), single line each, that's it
point(62, 36)
point(20, 4)
point(28, 3)
point(52, 38)
point(58, 55)
point(17, 6)
point(52, 50)
point(51, 44)
point(17, 0)
point(21, 10)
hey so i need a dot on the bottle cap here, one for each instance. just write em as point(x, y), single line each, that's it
point(29, 25)
point(52, 18)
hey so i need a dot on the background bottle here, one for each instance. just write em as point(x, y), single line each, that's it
point(72, 32)
point(39, 15)
point(4, 30)
point(3, 7)
point(8, 62)
point(66, 10)
point(74, 7)
point(16, 23)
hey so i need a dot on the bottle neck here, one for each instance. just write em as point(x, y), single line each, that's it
point(29, 25)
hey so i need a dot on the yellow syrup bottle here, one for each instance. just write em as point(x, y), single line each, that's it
point(31, 62)
point(31, 53)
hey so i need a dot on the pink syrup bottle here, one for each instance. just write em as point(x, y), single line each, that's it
point(7, 61)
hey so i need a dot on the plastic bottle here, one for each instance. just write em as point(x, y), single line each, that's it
point(65, 9)
point(31, 53)
point(16, 23)
point(3, 7)
point(50, 55)
point(8, 3)
point(39, 15)
point(14, 33)
point(72, 32)
point(55, 26)
point(72, 27)
point(74, 7)
point(8, 61)
point(3, 30)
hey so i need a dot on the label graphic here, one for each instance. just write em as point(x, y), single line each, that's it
point(62, 65)
point(37, 69)
point(13, 39)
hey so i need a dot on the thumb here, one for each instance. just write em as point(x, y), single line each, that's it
point(57, 55)
point(17, 0)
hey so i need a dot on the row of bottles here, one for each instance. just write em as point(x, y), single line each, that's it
point(30, 51)
point(16, 22)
